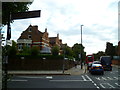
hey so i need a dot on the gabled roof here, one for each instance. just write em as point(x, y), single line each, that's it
point(35, 33)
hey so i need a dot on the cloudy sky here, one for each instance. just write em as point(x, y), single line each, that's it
point(99, 17)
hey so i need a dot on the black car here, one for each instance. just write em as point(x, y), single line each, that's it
point(106, 62)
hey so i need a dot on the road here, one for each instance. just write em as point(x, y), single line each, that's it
point(108, 80)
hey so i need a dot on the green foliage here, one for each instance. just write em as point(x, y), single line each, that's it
point(13, 7)
point(110, 49)
point(78, 49)
point(55, 50)
point(34, 51)
point(26, 51)
point(98, 55)
point(68, 51)
point(10, 50)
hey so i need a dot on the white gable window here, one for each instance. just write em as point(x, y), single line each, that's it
point(29, 36)
point(30, 29)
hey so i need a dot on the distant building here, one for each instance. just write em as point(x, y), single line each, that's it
point(55, 41)
point(33, 37)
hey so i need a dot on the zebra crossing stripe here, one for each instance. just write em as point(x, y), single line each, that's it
point(97, 78)
point(116, 78)
point(117, 84)
point(104, 78)
point(109, 78)
point(84, 78)
point(103, 85)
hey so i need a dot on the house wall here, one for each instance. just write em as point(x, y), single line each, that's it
point(39, 39)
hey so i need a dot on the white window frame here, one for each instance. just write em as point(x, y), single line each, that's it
point(29, 36)
point(30, 29)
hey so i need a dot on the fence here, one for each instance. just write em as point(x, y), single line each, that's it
point(27, 63)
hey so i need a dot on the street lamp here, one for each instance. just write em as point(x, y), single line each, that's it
point(81, 47)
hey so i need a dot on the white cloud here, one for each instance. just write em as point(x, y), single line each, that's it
point(99, 17)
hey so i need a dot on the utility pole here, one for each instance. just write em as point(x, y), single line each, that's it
point(5, 58)
point(81, 48)
point(64, 62)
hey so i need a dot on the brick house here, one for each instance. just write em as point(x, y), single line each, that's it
point(33, 37)
point(55, 41)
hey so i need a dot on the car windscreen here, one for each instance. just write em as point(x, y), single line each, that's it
point(96, 62)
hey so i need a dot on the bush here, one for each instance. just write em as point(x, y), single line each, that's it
point(55, 50)
point(34, 51)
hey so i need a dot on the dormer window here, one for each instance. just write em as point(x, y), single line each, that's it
point(30, 29)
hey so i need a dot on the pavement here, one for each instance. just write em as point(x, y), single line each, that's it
point(72, 71)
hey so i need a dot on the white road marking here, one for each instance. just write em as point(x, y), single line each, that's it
point(30, 77)
point(103, 85)
point(116, 78)
point(109, 78)
point(104, 78)
point(92, 81)
point(49, 77)
point(67, 80)
point(111, 85)
point(84, 78)
point(16, 80)
point(97, 78)
point(117, 84)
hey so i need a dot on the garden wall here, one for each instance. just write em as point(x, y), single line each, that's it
point(27, 63)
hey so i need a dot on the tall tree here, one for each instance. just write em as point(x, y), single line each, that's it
point(110, 49)
point(78, 49)
point(68, 51)
point(55, 50)
point(13, 7)
point(98, 55)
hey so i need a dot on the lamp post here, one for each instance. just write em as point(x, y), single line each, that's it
point(64, 61)
point(81, 47)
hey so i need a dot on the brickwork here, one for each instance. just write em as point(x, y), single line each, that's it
point(39, 39)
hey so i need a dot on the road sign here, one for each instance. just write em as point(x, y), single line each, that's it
point(79, 55)
point(25, 15)
point(9, 42)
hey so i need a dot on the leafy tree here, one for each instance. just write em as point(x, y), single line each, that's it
point(68, 51)
point(78, 49)
point(98, 55)
point(26, 51)
point(110, 49)
point(55, 50)
point(13, 7)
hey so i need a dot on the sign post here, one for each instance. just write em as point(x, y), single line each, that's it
point(15, 16)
